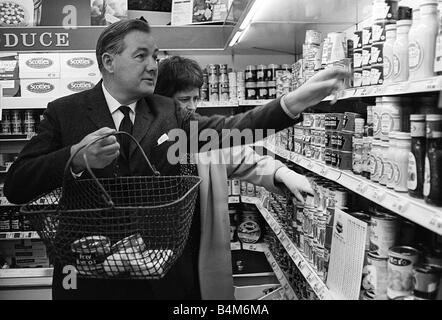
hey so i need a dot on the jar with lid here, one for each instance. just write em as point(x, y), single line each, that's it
point(433, 160)
point(416, 162)
point(391, 116)
point(250, 73)
point(400, 47)
point(251, 91)
point(262, 90)
point(261, 71)
point(389, 164)
point(388, 53)
point(400, 167)
point(375, 161)
point(422, 38)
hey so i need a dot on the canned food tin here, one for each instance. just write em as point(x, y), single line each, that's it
point(377, 74)
point(366, 76)
point(335, 158)
point(401, 261)
point(131, 244)
point(328, 156)
point(426, 281)
point(6, 127)
point(251, 74)
point(375, 277)
point(377, 53)
point(271, 87)
point(334, 139)
point(349, 121)
point(91, 252)
point(313, 37)
point(261, 71)
point(384, 232)
point(334, 121)
point(271, 72)
point(367, 38)
point(379, 32)
point(357, 78)
point(344, 141)
point(249, 231)
point(366, 56)
point(357, 40)
point(16, 127)
point(357, 58)
point(251, 91)
point(262, 90)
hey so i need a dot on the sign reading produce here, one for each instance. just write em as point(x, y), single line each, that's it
point(44, 39)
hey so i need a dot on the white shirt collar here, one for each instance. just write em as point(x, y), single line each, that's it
point(113, 104)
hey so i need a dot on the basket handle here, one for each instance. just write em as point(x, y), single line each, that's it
point(106, 196)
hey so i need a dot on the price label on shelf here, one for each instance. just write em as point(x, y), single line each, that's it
point(378, 90)
point(432, 84)
point(436, 222)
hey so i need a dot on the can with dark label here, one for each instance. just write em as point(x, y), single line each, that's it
point(344, 141)
point(91, 252)
point(377, 74)
point(261, 71)
point(251, 74)
point(377, 53)
point(426, 281)
point(262, 90)
point(401, 261)
point(251, 91)
point(357, 40)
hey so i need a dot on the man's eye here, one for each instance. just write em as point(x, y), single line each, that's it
point(140, 56)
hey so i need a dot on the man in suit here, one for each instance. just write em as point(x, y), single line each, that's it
point(124, 99)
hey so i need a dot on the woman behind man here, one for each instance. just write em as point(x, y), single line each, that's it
point(181, 78)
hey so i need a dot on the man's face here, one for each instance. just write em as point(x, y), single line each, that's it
point(188, 99)
point(135, 69)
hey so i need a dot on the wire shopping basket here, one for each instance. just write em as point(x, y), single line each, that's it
point(120, 228)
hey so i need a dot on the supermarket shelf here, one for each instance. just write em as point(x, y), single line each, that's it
point(26, 103)
point(19, 235)
point(220, 104)
point(304, 267)
point(415, 210)
point(257, 247)
point(249, 103)
point(418, 86)
point(289, 292)
point(35, 277)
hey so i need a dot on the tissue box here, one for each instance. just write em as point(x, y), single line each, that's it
point(80, 64)
point(39, 65)
point(33, 88)
point(70, 86)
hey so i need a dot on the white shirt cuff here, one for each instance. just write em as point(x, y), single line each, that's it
point(287, 111)
point(76, 175)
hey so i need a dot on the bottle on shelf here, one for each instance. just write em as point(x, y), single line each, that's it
point(416, 161)
point(400, 47)
point(388, 52)
point(400, 168)
point(422, 40)
point(433, 160)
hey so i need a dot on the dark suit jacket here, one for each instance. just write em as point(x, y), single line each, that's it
point(40, 166)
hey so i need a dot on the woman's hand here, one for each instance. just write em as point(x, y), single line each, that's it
point(296, 183)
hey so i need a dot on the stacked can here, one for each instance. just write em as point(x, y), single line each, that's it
point(271, 79)
point(29, 122)
point(366, 55)
point(240, 85)
point(310, 52)
point(204, 90)
point(233, 88)
point(16, 122)
point(6, 122)
point(213, 72)
point(251, 83)
point(385, 14)
point(357, 59)
point(223, 83)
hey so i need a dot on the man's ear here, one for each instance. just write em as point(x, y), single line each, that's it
point(108, 62)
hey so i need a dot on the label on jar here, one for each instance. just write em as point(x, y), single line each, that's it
point(412, 172)
point(396, 66)
point(427, 180)
point(388, 170)
point(415, 55)
point(388, 123)
point(396, 174)
point(376, 123)
point(417, 129)
point(388, 70)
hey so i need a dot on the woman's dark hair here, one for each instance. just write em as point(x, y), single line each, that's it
point(111, 39)
point(178, 74)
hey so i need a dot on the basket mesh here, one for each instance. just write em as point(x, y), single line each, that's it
point(138, 235)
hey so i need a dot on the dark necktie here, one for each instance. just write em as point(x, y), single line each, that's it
point(126, 125)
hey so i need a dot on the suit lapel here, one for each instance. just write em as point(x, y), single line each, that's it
point(143, 121)
point(97, 108)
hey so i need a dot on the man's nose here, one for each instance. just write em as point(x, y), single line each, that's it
point(151, 64)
